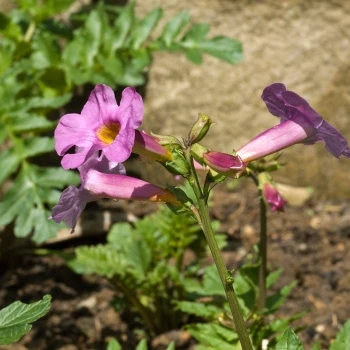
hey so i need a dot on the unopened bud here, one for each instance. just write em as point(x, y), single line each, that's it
point(200, 128)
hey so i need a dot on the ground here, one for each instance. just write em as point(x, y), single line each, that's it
point(310, 243)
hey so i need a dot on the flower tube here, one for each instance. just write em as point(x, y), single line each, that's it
point(103, 179)
point(102, 125)
point(273, 197)
point(223, 163)
point(299, 124)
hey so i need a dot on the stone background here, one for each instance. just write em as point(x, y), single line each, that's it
point(304, 44)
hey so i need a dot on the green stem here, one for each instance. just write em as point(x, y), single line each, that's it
point(262, 253)
point(225, 275)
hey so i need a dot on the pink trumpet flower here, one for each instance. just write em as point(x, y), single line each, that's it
point(103, 179)
point(299, 124)
point(273, 197)
point(102, 125)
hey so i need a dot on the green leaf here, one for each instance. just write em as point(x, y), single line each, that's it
point(16, 319)
point(144, 28)
point(27, 104)
point(173, 28)
point(222, 47)
point(46, 51)
point(54, 177)
point(194, 55)
point(122, 26)
point(119, 233)
point(211, 282)
point(342, 341)
point(9, 162)
point(142, 345)
point(26, 122)
point(113, 344)
point(289, 341)
point(37, 145)
point(273, 277)
point(199, 309)
point(9, 28)
point(197, 32)
point(171, 346)
point(275, 301)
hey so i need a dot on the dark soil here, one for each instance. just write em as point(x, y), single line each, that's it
point(311, 244)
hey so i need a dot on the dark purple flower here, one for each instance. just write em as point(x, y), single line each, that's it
point(273, 197)
point(299, 124)
point(102, 125)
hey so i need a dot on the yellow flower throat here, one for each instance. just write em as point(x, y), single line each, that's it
point(108, 133)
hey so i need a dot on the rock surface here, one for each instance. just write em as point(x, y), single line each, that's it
point(304, 44)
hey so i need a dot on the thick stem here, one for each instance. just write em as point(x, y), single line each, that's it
point(262, 253)
point(225, 276)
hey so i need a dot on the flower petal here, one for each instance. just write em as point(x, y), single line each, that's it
point(101, 106)
point(70, 206)
point(131, 107)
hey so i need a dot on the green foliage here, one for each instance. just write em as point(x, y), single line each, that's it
point(289, 341)
point(16, 319)
point(342, 341)
point(145, 262)
point(142, 345)
point(215, 310)
point(43, 60)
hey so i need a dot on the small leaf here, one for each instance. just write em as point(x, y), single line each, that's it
point(289, 341)
point(122, 26)
point(212, 282)
point(222, 47)
point(144, 29)
point(9, 162)
point(198, 309)
point(25, 122)
point(273, 277)
point(142, 345)
point(197, 32)
point(36, 146)
point(342, 341)
point(16, 319)
point(194, 55)
point(275, 301)
point(113, 344)
point(9, 28)
point(171, 346)
point(173, 28)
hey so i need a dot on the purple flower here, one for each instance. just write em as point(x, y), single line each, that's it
point(273, 197)
point(103, 179)
point(299, 123)
point(223, 163)
point(101, 126)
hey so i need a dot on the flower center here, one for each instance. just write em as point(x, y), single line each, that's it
point(108, 133)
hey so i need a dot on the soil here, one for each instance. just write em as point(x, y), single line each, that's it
point(311, 244)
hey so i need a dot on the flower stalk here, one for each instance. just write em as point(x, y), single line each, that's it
point(225, 275)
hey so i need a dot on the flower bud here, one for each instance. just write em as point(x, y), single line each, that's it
point(200, 128)
point(225, 164)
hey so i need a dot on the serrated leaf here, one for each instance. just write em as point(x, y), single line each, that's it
point(37, 145)
point(342, 341)
point(122, 26)
point(173, 28)
point(9, 162)
point(199, 309)
point(44, 228)
point(145, 27)
point(16, 319)
point(113, 344)
point(289, 341)
point(26, 122)
point(142, 345)
point(55, 177)
point(119, 233)
point(222, 47)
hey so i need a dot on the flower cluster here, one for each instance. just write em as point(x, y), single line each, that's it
point(104, 135)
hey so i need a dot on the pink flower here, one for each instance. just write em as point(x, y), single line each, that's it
point(225, 164)
point(299, 124)
point(101, 126)
point(103, 179)
point(273, 197)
